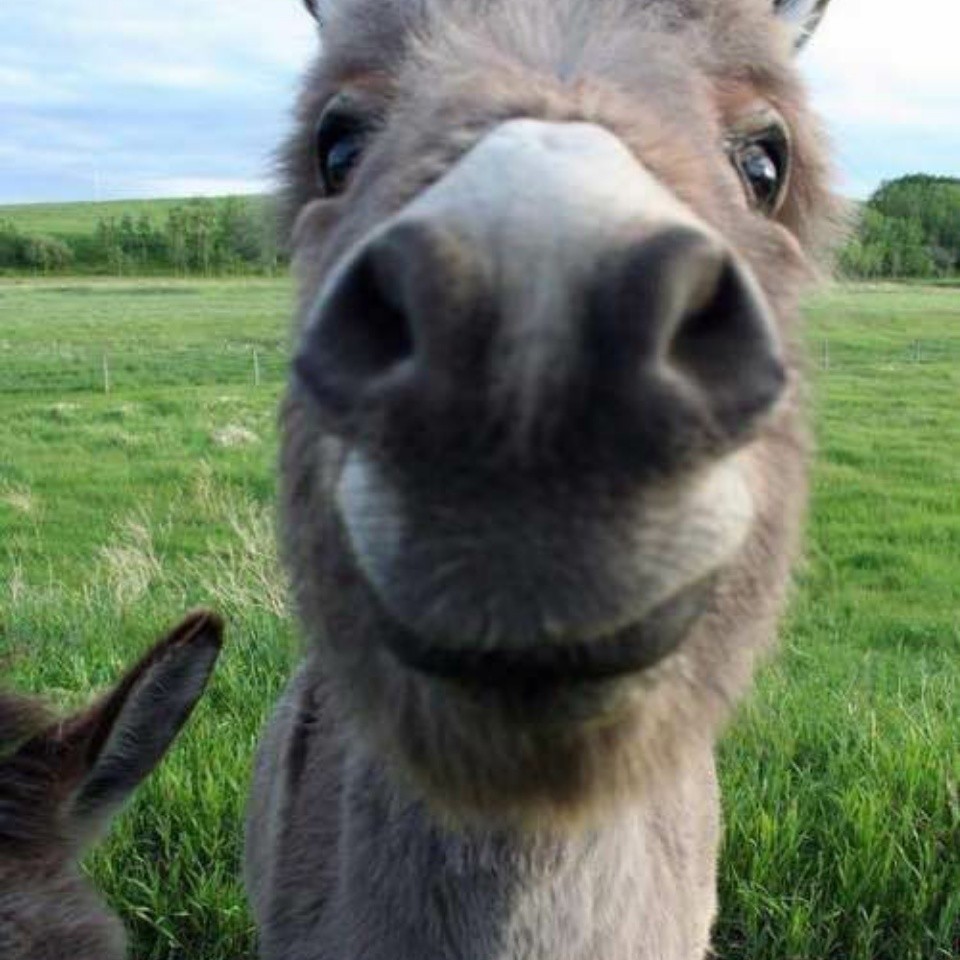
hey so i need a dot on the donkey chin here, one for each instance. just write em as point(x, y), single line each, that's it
point(531, 589)
point(531, 649)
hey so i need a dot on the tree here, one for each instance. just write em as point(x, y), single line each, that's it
point(177, 239)
point(910, 227)
point(235, 234)
point(46, 253)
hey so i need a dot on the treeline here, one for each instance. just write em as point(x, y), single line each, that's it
point(910, 227)
point(199, 237)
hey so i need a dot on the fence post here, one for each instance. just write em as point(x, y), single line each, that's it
point(916, 351)
point(825, 356)
point(106, 375)
point(256, 368)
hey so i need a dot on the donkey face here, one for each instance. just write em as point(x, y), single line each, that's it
point(544, 457)
point(61, 787)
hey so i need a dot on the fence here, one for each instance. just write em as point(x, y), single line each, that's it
point(70, 368)
point(103, 368)
point(859, 355)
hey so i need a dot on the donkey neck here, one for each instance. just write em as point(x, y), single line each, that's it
point(411, 887)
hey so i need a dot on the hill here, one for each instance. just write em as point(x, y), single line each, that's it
point(81, 218)
point(203, 235)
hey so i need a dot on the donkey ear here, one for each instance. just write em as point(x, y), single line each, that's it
point(20, 718)
point(110, 749)
point(803, 16)
point(316, 9)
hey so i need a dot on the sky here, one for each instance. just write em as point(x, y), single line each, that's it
point(109, 99)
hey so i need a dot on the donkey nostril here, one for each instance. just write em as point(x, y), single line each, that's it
point(689, 314)
point(727, 346)
point(361, 333)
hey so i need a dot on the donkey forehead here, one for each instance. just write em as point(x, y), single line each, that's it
point(720, 35)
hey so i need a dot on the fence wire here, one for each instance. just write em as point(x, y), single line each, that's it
point(72, 368)
point(860, 357)
point(98, 368)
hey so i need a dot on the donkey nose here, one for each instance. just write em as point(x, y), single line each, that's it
point(671, 339)
point(388, 317)
point(678, 318)
point(550, 295)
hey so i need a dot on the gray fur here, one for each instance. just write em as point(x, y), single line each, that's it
point(804, 15)
point(400, 817)
point(387, 880)
point(61, 782)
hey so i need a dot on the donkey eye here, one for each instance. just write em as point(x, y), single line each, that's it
point(763, 161)
point(337, 163)
point(340, 141)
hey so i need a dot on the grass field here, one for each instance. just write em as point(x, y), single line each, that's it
point(120, 509)
point(75, 219)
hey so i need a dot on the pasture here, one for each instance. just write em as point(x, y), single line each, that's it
point(73, 219)
point(137, 445)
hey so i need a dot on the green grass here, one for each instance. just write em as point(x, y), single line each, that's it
point(118, 510)
point(74, 219)
point(841, 777)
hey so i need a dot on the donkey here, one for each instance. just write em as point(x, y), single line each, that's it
point(543, 467)
point(61, 782)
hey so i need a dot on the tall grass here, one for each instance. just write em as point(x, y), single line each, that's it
point(118, 511)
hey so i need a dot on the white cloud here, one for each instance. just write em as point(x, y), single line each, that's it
point(192, 93)
point(886, 76)
point(909, 48)
point(267, 33)
point(200, 77)
point(20, 86)
point(129, 97)
point(200, 186)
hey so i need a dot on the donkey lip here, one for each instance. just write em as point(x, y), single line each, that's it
point(631, 649)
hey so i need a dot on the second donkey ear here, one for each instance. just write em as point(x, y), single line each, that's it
point(107, 750)
point(804, 17)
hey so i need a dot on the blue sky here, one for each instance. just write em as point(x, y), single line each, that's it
point(130, 98)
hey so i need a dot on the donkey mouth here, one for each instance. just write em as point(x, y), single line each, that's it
point(628, 650)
